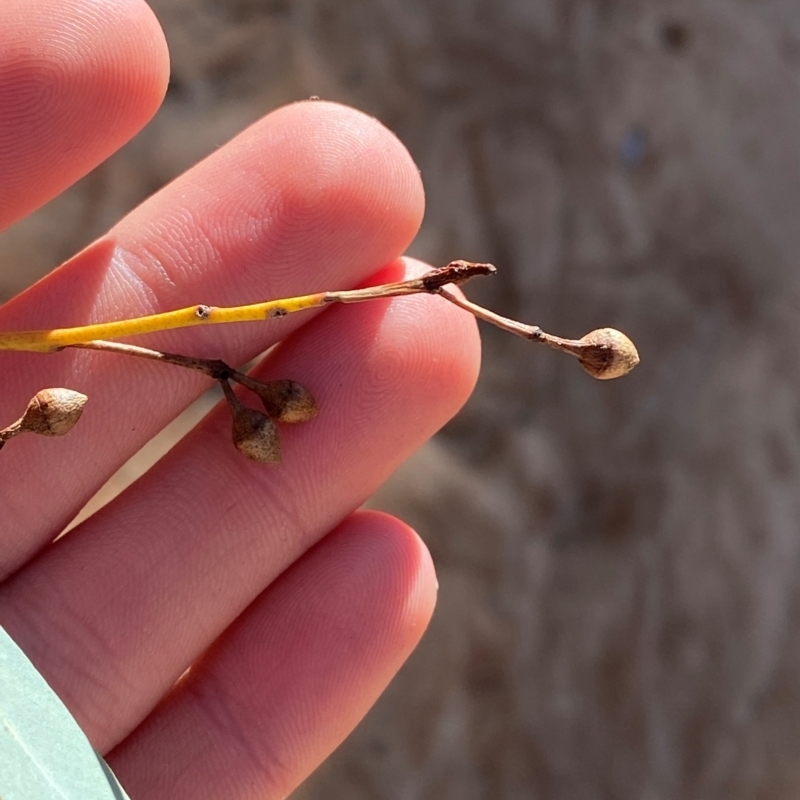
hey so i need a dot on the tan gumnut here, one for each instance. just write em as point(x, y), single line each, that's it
point(254, 434)
point(52, 412)
point(607, 353)
point(286, 401)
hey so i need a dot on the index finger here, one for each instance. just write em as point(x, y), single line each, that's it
point(314, 196)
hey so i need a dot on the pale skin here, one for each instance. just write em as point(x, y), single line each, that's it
point(295, 609)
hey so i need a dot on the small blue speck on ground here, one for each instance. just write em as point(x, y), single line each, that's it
point(633, 147)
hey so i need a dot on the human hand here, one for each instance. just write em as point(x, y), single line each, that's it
point(290, 609)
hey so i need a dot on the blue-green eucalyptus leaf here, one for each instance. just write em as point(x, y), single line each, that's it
point(44, 754)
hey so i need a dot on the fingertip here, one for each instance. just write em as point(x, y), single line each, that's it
point(294, 674)
point(443, 354)
point(150, 54)
point(340, 167)
point(409, 576)
point(78, 78)
point(389, 374)
point(392, 171)
point(314, 191)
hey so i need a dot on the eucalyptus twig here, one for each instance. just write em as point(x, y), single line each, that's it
point(604, 353)
point(213, 368)
point(282, 398)
point(254, 433)
point(56, 338)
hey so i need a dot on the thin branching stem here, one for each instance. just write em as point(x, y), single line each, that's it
point(604, 353)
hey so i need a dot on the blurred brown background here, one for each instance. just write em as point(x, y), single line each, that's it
point(618, 562)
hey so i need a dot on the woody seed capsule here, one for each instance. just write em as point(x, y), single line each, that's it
point(286, 401)
point(52, 412)
point(607, 353)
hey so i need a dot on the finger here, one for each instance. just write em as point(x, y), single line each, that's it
point(113, 613)
point(315, 196)
point(78, 78)
point(293, 676)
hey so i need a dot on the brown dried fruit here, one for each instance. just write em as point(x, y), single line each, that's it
point(607, 353)
point(256, 436)
point(286, 401)
point(53, 412)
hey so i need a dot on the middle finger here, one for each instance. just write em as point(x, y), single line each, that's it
point(118, 609)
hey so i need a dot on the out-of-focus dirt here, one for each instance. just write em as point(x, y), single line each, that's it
point(618, 562)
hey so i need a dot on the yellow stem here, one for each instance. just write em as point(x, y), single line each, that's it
point(53, 339)
point(56, 338)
